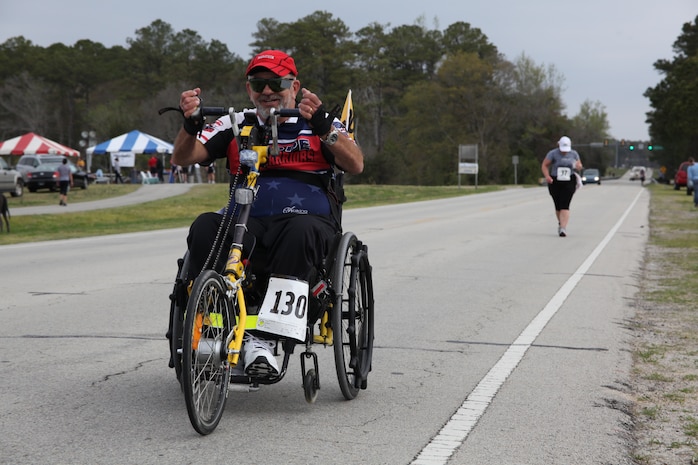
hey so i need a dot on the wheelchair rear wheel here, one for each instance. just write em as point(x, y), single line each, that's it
point(178, 304)
point(352, 315)
point(205, 368)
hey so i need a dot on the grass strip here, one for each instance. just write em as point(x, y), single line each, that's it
point(175, 212)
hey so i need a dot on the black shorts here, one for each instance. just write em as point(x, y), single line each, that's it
point(64, 186)
point(562, 192)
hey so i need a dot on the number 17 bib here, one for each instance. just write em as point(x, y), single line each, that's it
point(564, 173)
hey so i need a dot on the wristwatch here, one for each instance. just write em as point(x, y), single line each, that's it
point(331, 137)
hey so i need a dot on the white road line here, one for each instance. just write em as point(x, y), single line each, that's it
point(456, 430)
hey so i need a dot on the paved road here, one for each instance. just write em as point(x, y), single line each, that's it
point(146, 193)
point(461, 285)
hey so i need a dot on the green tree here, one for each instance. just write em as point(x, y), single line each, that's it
point(24, 101)
point(461, 105)
point(151, 57)
point(18, 55)
point(673, 119)
point(591, 125)
point(536, 121)
point(372, 70)
point(461, 36)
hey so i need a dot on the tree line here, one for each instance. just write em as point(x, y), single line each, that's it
point(418, 93)
point(673, 120)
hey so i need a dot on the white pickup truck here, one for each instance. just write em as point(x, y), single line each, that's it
point(10, 180)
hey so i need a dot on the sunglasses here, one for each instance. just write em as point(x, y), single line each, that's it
point(275, 84)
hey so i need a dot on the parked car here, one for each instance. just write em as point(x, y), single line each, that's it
point(591, 176)
point(28, 162)
point(10, 180)
point(45, 176)
point(681, 178)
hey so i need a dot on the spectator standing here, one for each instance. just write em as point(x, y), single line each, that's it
point(160, 169)
point(153, 166)
point(692, 177)
point(117, 171)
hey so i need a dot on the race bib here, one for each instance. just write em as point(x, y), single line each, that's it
point(564, 173)
point(285, 308)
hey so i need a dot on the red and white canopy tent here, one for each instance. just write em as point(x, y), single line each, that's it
point(31, 143)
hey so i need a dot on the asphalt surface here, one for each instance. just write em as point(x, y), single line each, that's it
point(461, 286)
point(146, 193)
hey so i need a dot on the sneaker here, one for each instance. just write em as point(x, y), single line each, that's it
point(259, 358)
point(563, 233)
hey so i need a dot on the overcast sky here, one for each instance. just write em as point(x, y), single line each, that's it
point(605, 49)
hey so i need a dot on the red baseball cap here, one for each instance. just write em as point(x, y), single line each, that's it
point(275, 61)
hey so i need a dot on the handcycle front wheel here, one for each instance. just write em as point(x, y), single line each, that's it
point(205, 368)
point(352, 315)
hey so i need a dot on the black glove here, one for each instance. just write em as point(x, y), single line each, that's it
point(193, 126)
point(321, 122)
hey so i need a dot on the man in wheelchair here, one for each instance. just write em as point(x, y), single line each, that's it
point(296, 214)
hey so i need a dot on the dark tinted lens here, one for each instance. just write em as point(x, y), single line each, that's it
point(275, 84)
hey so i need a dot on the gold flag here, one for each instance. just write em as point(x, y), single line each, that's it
point(348, 115)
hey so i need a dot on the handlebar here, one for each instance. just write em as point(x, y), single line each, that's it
point(214, 111)
point(202, 112)
point(287, 112)
point(222, 111)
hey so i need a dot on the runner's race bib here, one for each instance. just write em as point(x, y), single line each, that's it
point(285, 308)
point(564, 173)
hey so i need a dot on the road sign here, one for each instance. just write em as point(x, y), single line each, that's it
point(467, 168)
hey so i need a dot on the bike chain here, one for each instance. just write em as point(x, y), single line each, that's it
point(224, 227)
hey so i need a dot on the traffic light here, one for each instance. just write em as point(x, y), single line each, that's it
point(649, 147)
point(605, 142)
point(622, 142)
point(631, 147)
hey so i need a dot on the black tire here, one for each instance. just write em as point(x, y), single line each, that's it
point(19, 189)
point(310, 386)
point(352, 315)
point(178, 305)
point(205, 368)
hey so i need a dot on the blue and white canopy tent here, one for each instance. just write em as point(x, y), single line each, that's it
point(126, 146)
